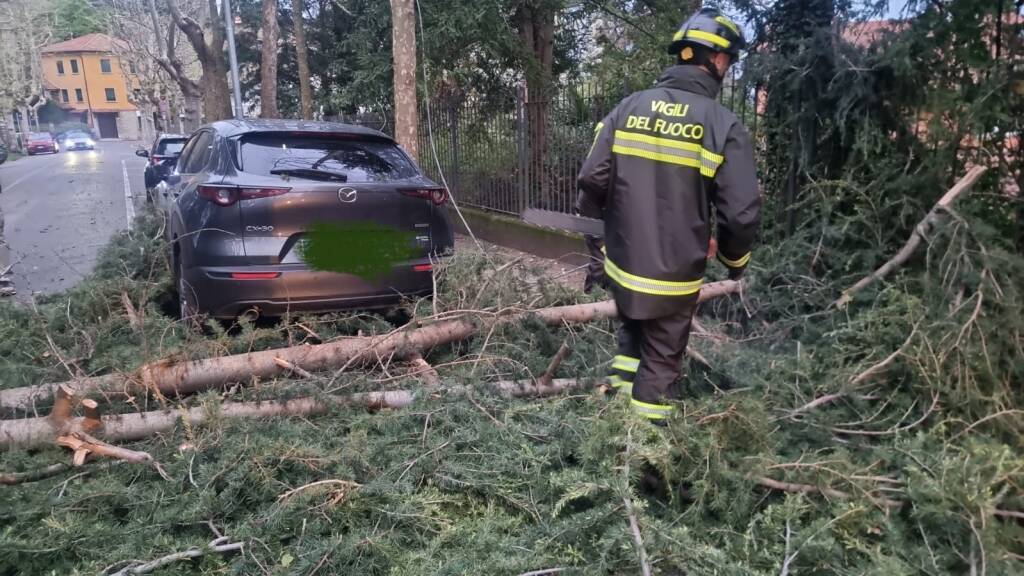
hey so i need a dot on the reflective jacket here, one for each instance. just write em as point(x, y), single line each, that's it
point(660, 160)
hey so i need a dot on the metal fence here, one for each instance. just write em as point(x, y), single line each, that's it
point(505, 152)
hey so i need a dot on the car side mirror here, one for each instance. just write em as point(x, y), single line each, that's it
point(142, 153)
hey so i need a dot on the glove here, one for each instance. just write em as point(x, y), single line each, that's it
point(595, 268)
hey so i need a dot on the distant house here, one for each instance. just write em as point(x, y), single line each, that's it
point(87, 78)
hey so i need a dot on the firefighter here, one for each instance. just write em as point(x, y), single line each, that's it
point(659, 162)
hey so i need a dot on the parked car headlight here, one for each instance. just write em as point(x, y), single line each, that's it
point(90, 142)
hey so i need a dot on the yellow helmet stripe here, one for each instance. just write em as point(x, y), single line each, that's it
point(728, 24)
point(709, 37)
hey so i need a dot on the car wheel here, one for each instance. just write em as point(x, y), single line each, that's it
point(187, 311)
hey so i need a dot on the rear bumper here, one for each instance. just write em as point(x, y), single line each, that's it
point(298, 289)
point(37, 149)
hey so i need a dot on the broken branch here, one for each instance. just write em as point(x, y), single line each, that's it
point(82, 444)
point(830, 492)
point(556, 361)
point(936, 214)
point(129, 310)
point(12, 478)
point(292, 368)
point(217, 546)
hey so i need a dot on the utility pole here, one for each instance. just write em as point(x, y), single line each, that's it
point(229, 25)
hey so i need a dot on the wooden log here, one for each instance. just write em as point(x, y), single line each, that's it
point(170, 378)
point(33, 432)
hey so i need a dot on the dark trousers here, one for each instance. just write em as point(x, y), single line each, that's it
point(650, 353)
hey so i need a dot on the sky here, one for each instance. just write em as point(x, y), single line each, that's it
point(895, 8)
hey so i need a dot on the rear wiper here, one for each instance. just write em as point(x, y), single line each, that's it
point(311, 173)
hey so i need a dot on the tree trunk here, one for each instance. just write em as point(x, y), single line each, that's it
point(537, 33)
point(193, 112)
point(188, 377)
point(403, 30)
point(302, 58)
point(216, 92)
point(25, 129)
point(36, 432)
point(268, 61)
point(213, 84)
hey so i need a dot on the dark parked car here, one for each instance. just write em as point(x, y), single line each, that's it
point(162, 154)
point(245, 193)
point(41, 142)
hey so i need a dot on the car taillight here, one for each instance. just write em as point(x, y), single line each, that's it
point(423, 268)
point(219, 195)
point(436, 195)
point(228, 195)
point(253, 193)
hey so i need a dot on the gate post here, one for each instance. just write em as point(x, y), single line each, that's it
point(453, 128)
point(522, 148)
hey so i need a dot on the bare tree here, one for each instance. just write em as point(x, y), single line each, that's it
point(268, 60)
point(165, 70)
point(403, 31)
point(23, 32)
point(302, 57)
point(207, 40)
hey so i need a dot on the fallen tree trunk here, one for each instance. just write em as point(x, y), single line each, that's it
point(923, 227)
point(33, 432)
point(169, 378)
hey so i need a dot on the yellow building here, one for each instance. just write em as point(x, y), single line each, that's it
point(86, 77)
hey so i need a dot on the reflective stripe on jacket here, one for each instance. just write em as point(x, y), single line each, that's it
point(660, 160)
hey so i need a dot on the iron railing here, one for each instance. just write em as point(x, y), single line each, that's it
point(508, 152)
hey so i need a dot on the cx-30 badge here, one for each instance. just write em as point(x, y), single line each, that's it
point(347, 195)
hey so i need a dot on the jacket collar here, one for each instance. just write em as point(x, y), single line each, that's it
point(691, 79)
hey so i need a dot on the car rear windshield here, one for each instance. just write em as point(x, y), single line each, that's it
point(39, 136)
point(357, 160)
point(168, 147)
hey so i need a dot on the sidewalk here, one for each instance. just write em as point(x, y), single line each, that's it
point(6, 284)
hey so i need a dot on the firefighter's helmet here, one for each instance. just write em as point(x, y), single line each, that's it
point(711, 29)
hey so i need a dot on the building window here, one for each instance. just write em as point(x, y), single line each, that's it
point(105, 66)
point(60, 67)
point(78, 94)
point(74, 66)
point(111, 97)
point(55, 95)
point(64, 95)
point(131, 67)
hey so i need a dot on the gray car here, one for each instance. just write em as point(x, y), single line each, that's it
point(244, 195)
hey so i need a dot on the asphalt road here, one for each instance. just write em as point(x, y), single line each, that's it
point(60, 209)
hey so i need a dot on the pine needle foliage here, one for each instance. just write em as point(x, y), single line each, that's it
point(460, 485)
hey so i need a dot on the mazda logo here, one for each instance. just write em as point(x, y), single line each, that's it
point(347, 195)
